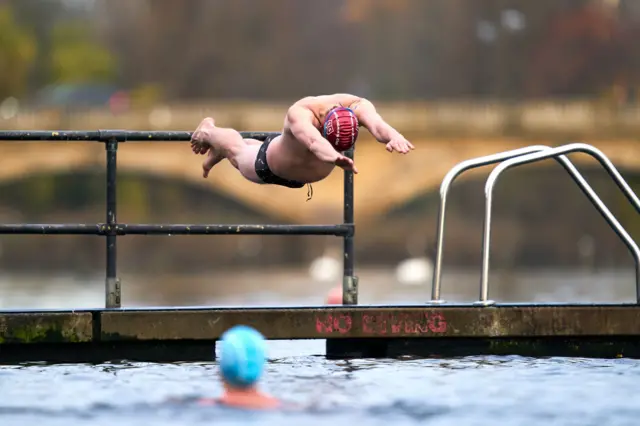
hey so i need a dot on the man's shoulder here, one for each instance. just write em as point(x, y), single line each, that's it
point(307, 102)
point(328, 98)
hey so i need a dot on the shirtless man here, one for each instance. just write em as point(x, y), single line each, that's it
point(300, 154)
point(243, 358)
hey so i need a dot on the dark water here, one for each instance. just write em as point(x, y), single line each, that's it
point(466, 391)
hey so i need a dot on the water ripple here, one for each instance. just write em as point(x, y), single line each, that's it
point(509, 390)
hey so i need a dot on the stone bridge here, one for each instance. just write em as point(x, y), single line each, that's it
point(385, 180)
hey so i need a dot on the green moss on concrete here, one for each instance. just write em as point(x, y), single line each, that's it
point(40, 328)
point(36, 333)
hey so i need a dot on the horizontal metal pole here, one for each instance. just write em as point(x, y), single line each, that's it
point(52, 229)
point(175, 229)
point(49, 135)
point(106, 135)
point(142, 229)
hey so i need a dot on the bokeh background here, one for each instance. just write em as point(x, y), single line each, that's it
point(459, 78)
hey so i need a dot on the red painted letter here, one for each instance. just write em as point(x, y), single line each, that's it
point(366, 324)
point(324, 325)
point(437, 323)
point(342, 323)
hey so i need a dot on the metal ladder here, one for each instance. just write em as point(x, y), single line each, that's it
point(518, 157)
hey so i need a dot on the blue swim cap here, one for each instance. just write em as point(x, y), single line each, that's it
point(242, 356)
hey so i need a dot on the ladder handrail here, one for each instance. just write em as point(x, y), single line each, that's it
point(584, 186)
point(456, 171)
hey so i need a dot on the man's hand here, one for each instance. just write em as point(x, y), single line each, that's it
point(399, 144)
point(325, 152)
point(346, 163)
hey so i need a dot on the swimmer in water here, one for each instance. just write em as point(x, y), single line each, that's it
point(242, 361)
point(316, 131)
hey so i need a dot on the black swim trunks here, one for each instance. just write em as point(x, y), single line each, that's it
point(265, 173)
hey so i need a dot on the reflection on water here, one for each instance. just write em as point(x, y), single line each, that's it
point(295, 287)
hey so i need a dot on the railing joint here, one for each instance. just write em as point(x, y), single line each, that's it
point(350, 290)
point(112, 135)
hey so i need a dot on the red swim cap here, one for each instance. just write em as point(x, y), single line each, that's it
point(341, 128)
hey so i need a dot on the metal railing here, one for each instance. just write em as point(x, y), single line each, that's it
point(448, 180)
point(524, 156)
point(584, 186)
point(111, 229)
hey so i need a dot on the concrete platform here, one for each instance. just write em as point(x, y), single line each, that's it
point(189, 334)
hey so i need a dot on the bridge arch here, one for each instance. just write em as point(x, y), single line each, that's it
point(166, 160)
point(141, 198)
point(416, 176)
point(385, 180)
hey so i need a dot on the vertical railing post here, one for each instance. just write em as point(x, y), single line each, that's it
point(112, 284)
point(349, 280)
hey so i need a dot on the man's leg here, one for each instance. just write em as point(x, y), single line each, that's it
point(222, 143)
point(207, 136)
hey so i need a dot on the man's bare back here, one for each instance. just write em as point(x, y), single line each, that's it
point(300, 154)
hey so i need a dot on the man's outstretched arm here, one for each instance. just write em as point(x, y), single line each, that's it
point(380, 129)
point(299, 121)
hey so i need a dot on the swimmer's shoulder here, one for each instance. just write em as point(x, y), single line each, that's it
point(343, 99)
point(318, 106)
point(263, 403)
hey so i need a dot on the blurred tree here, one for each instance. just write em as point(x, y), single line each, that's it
point(240, 48)
point(38, 16)
point(580, 54)
point(17, 52)
point(76, 57)
point(386, 49)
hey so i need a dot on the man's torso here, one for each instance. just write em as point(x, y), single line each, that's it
point(290, 158)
